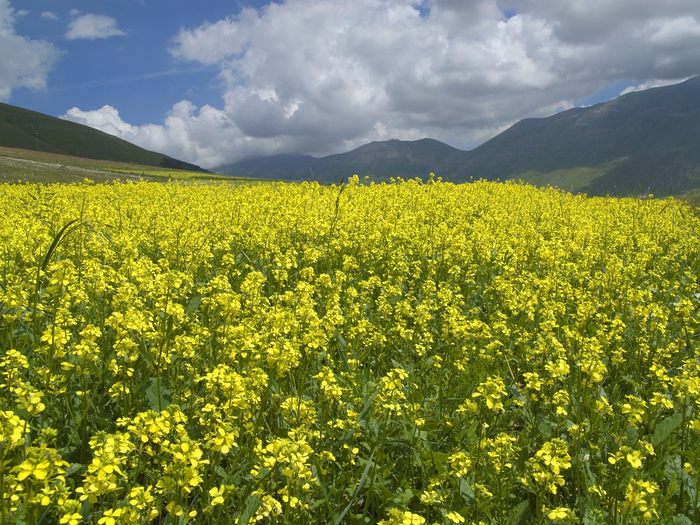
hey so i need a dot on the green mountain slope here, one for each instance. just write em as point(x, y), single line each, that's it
point(22, 128)
point(646, 141)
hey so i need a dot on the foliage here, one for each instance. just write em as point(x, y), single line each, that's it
point(399, 353)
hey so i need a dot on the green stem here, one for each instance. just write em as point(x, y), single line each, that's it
point(2, 487)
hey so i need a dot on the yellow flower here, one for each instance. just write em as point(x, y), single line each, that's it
point(217, 495)
point(561, 514)
point(402, 517)
point(110, 517)
point(72, 518)
point(634, 458)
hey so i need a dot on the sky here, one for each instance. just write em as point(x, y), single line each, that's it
point(216, 81)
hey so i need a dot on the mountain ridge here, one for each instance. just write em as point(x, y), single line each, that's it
point(643, 141)
point(638, 136)
point(408, 159)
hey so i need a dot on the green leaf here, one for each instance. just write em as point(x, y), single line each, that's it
point(681, 519)
point(403, 498)
point(157, 398)
point(593, 517)
point(73, 468)
point(519, 513)
point(56, 241)
point(465, 489)
point(665, 428)
point(439, 459)
point(251, 505)
point(363, 478)
point(546, 428)
point(193, 304)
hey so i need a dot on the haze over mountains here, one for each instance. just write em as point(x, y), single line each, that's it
point(22, 128)
point(645, 141)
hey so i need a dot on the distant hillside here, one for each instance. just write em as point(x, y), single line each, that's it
point(282, 167)
point(392, 158)
point(379, 160)
point(22, 128)
point(646, 141)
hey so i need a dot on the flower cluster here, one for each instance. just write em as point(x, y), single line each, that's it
point(405, 353)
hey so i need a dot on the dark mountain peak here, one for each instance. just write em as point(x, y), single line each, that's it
point(378, 159)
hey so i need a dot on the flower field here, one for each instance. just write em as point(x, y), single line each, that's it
point(399, 353)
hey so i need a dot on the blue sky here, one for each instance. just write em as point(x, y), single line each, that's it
point(134, 72)
point(219, 80)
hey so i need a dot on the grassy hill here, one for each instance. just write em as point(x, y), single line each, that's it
point(646, 141)
point(22, 128)
point(23, 165)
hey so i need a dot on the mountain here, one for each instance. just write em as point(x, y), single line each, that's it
point(382, 160)
point(379, 160)
point(645, 141)
point(22, 128)
point(282, 167)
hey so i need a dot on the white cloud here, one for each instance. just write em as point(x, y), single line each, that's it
point(174, 137)
point(321, 76)
point(106, 119)
point(48, 15)
point(678, 30)
point(92, 27)
point(654, 83)
point(25, 62)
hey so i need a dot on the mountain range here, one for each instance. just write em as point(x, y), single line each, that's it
point(641, 142)
point(30, 130)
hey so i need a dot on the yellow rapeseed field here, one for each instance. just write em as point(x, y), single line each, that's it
point(400, 353)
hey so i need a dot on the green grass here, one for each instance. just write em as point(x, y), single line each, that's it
point(570, 179)
point(692, 197)
point(21, 165)
point(179, 175)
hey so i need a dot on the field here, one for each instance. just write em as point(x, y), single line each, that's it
point(401, 353)
point(29, 166)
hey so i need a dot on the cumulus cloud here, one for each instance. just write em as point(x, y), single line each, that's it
point(27, 62)
point(106, 119)
point(321, 76)
point(48, 15)
point(174, 137)
point(92, 27)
